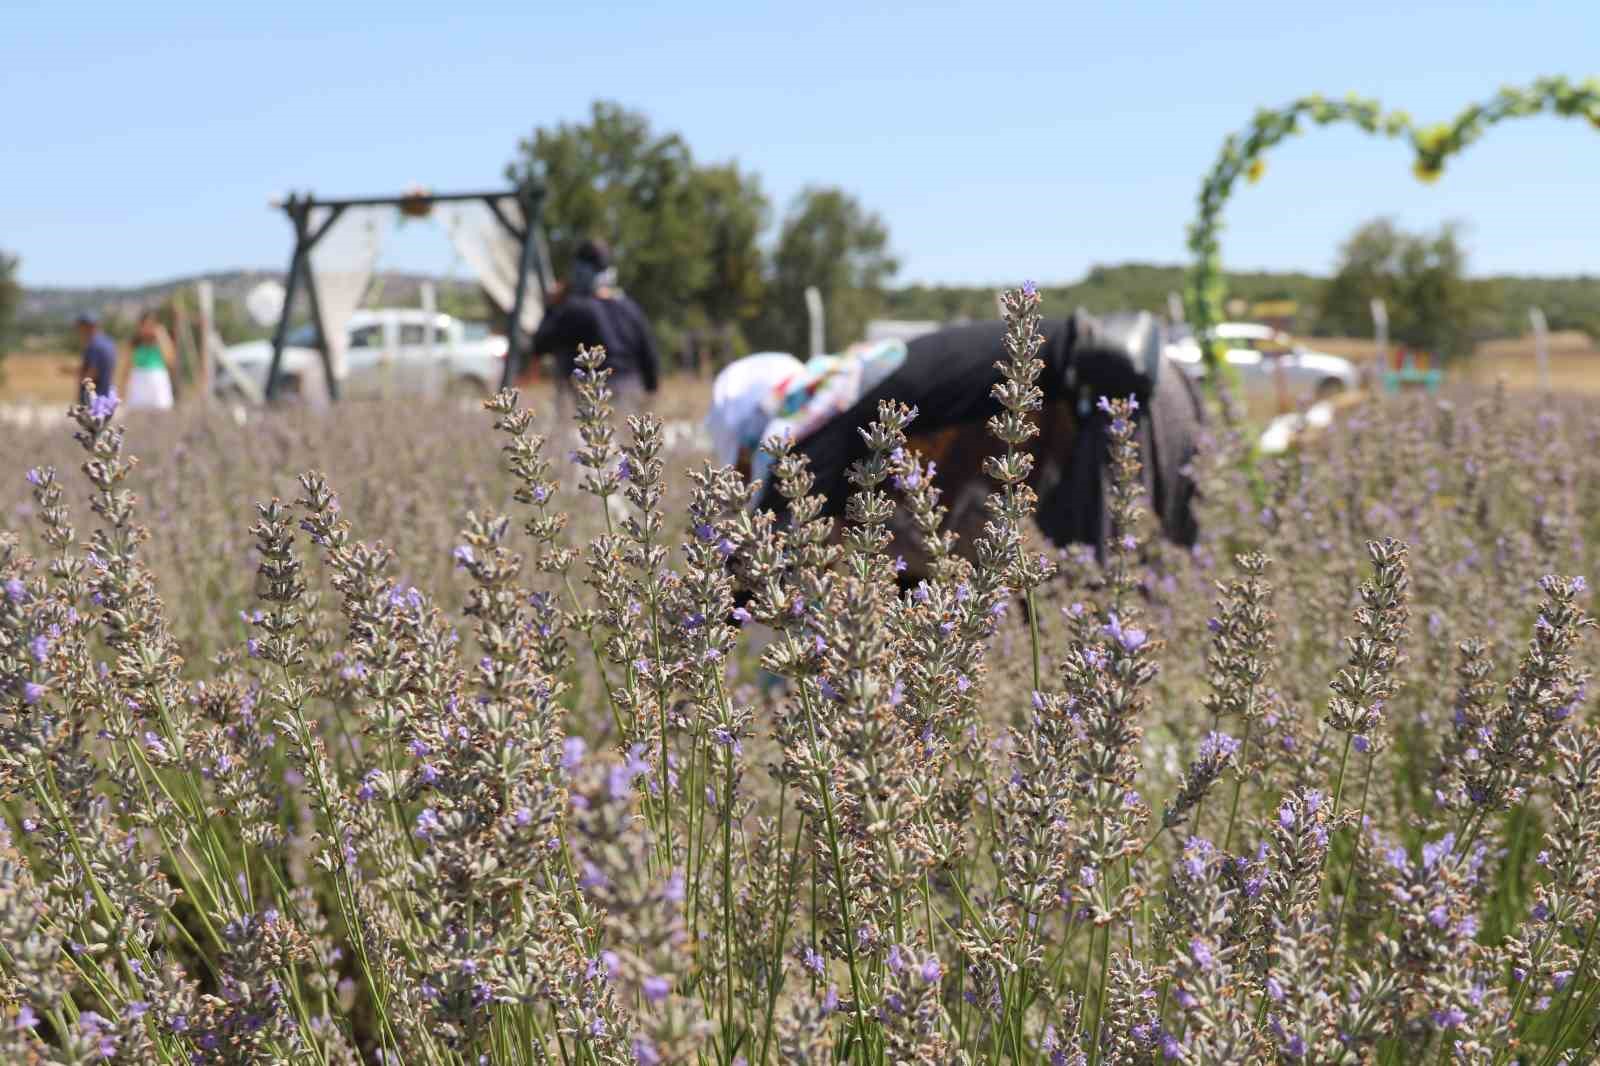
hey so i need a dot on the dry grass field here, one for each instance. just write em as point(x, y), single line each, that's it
point(1574, 360)
point(36, 378)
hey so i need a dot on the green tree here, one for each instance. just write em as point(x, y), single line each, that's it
point(831, 241)
point(10, 300)
point(1421, 277)
point(686, 237)
point(614, 177)
point(734, 212)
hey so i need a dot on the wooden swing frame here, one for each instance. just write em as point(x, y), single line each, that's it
point(298, 208)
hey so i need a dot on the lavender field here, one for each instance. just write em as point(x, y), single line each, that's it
point(429, 738)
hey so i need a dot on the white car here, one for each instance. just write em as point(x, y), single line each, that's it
point(1260, 354)
point(387, 352)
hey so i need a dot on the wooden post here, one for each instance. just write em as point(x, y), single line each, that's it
point(292, 207)
point(530, 197)
point(205, 296)
point(1541, 345)
point(1380, 323)
point(814, 312)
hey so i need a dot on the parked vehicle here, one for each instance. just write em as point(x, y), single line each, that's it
point(1262, 356)
point(387, 352)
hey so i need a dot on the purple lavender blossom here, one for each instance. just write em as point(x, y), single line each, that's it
point(1217, 747)
point(1131, 638)
point(102, 407)
point(428, 824)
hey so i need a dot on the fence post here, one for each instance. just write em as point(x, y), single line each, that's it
point(1541, 345)
point(1380, 323)
point(205, 296)
point(814, 312)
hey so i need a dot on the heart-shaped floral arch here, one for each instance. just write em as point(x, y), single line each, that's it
point(1243, 154)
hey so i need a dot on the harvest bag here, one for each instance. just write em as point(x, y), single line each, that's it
point(827, 386)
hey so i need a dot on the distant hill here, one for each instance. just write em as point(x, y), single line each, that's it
point(49, 308)
point(1128, 286)
point(1571, 303)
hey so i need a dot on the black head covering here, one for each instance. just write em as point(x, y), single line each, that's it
point(595, 252)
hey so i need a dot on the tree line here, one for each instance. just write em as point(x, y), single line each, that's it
point(1422, 277)
point(689, 237)
point(695, 247)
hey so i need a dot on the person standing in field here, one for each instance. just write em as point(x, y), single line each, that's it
point(589, 310)
point(99, 361)
point(147, 381)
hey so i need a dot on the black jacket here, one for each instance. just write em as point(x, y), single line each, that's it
point(613, 321)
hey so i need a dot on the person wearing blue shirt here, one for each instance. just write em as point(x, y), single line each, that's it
point(99, 363)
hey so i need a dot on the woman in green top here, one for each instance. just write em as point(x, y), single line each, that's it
point(149, 377)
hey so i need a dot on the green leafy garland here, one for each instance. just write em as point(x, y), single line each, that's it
point(1243, 154)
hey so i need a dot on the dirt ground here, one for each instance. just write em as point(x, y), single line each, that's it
point(37, 379)
point(34, 382)
point(34, 378)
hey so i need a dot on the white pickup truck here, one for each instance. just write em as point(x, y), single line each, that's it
point(1261, 354)
point(388, 352)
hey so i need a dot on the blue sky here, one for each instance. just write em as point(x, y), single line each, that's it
point(143, 141)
